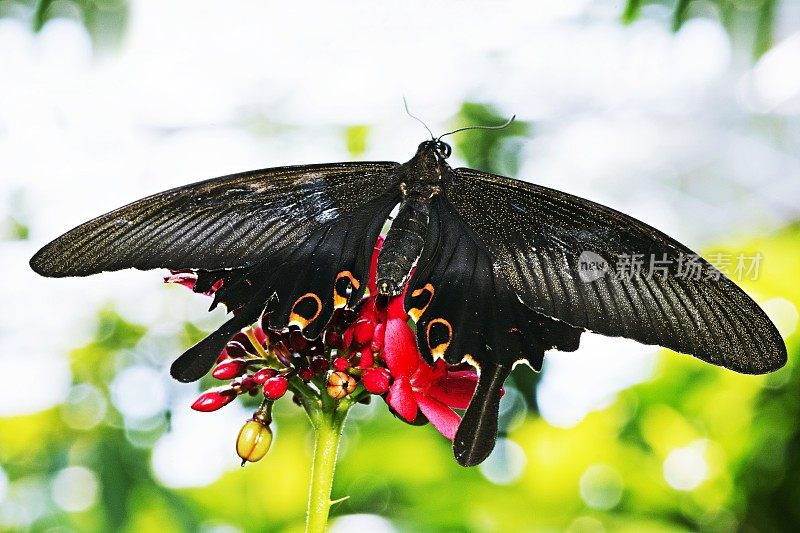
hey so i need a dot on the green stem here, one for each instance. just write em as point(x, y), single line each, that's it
point(327, 433)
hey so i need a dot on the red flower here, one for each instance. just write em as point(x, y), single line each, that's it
point(230, 368)
point(275, 387)
point(376, 380)
point(214, 399)
point(188, 279)
point(416, 386)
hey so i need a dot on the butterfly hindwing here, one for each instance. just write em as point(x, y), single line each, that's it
point(299, 284)
point(536, 237)
point(464, 310)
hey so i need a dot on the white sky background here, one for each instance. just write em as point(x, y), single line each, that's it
point(676, 130)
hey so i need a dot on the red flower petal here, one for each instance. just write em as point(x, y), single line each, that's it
point(441, 416)
point(402, 399)
point(376, 380)
point(347, 338)
point(439, 369)
point(185, 278)
point(366, 359)
point(378, 337)
point(395, 308)
point(373, 267)
point(362, 331)
point(456, 389)
point(423, 377)
point(400, 348)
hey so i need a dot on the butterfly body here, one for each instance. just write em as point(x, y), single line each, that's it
point(420, 180)
point(490, 266)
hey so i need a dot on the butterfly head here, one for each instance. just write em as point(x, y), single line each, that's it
point(441, 149)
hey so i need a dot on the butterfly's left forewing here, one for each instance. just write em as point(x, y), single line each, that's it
point(293, 241)
point(227, 222)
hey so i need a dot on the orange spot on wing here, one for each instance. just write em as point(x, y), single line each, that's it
point(440, 348)
point(340, 300)
point(296, 318)
point(416, 312)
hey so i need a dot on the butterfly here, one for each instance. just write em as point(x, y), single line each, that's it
point(496, 271)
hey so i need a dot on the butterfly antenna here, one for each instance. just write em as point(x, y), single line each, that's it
point(500, 127)
point(405, 104)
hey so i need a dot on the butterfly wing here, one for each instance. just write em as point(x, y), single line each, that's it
point(536, 237)
point(464, 309)
point(295, 242)
point(225, 222)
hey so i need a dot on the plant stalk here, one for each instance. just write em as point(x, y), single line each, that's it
point(328, 426)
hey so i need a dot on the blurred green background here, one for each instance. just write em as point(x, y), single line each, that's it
point(94, 436)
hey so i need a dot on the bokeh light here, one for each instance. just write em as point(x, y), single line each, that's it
point(75, 489)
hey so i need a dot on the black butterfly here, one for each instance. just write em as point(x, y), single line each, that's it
point(498, 274)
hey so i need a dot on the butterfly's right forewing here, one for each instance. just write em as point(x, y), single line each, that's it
point(538, 237)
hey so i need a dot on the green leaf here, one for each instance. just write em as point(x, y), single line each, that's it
point(764, 28)
point(680, 13)
point(357, 139)
point(39, 15)
point(631, 12)
point(485, 149)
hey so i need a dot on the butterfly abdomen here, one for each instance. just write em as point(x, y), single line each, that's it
point(403, 244)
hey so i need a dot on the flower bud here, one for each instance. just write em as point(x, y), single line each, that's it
point(275, 387)
point(363, 330)
point(340, 364)
point(213, 400)
point(340, 385)
point(253, 441)
point(260, 335)
point(264, 374)
point(376, 380)
point(283, 355)
point(236, 349)
point(247, 384)
point(305, 373)
point(333, 339)
point(319, 364)
point(229, 369)
point(297, 342)
point(366, 358)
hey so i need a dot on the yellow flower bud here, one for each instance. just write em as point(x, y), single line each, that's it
point(340, 385)
point(254, 441)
